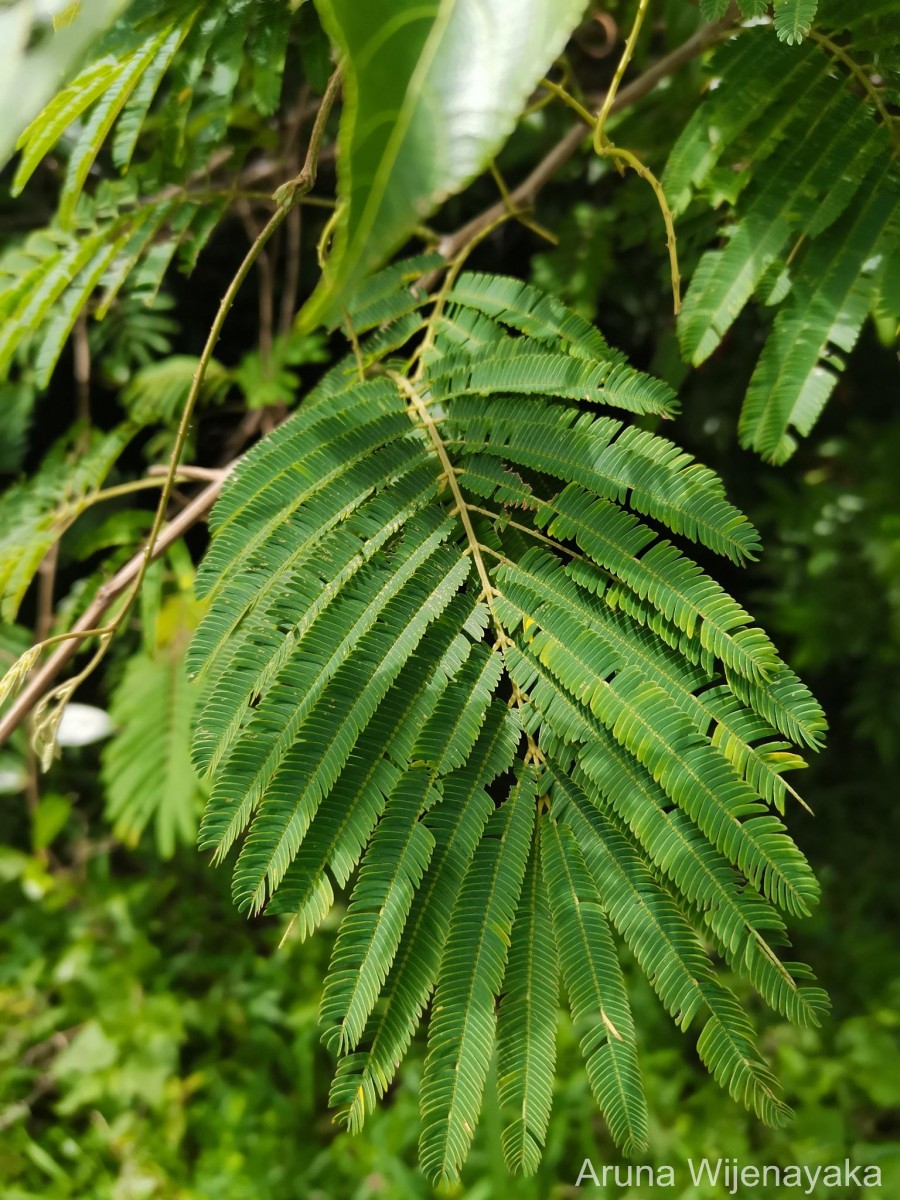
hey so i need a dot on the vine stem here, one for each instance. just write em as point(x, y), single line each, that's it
point(46, 722)
point(627, 53)
point(632, 160)
point(605, 149)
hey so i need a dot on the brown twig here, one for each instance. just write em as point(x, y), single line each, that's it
point(195, 474)
point(46, 585)
point(291, 283)
point(44, 676)
point(266, 274)
point(81, 368)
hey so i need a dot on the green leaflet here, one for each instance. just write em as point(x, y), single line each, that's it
point(776, 209)
point(695, 155)
point(530, 311)
point(285, 766)
point(794, 18)
point(511, 369)
point(829, 302)
point(452, 730)
point(431, 92)
point(339, 833)
point(651, 473)
point(810, 215)
point(446, 741)
point(739, 920)
point(526, 1027)
point(312, 768)
point(117, 92)
point(392, 293)
point(539, 586)
point(673, 959)
point(422, 587)
point(461, 1034)
point(268, 629)
point(672, 583)
point(457, 823)
point(320, 445)
point(370, 933)
point(159, 391)
point(595, 988)
point(147, 765)
point(706, 789)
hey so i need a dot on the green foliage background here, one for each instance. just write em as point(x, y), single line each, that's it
point(154, 1043)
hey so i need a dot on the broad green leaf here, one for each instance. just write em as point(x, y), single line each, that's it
point(431, 92)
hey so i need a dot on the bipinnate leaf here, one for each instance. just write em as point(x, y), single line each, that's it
point(451, 663)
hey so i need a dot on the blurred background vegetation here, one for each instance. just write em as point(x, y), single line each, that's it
point(153, 1043)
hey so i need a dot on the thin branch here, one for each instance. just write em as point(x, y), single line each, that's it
point(81, 368)
point(559, 91)
point(291, 282)
point(265, 271)
point(89, 624)
point(46, 585)
point(604, 148)
point(192, 473)
point(607, 150)
point(541, 537)
point(155, 478)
